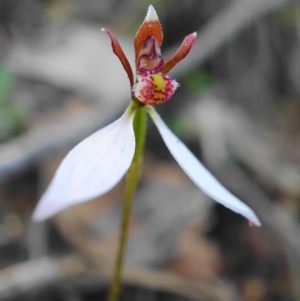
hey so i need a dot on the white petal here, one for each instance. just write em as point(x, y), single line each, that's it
point(199, 174)
point(91, 168)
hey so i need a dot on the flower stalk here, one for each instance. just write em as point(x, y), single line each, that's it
point(132, 177)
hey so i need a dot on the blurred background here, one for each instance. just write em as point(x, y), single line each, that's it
point(237, 109)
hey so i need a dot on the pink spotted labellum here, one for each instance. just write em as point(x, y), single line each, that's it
point(97, 164)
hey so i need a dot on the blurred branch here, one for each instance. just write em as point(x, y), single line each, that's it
point(26, 276)
point(31, 275)
point(224, 26)
point(32, 146)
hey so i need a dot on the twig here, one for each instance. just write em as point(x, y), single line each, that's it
point(31, 275)
point(37, 273)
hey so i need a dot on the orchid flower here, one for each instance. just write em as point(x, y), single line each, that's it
point(97, 164)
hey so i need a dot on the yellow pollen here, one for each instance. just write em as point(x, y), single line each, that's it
point(158, 81)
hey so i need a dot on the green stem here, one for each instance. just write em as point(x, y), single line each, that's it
point(132, 176)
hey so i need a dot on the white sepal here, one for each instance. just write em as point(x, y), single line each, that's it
point(199, 174)
point(91, 168)
point(151, 14)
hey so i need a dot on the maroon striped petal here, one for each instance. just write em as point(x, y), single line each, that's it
point(149, 60)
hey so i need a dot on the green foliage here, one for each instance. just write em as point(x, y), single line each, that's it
point(232, 161)
point(197, 80)
point(11, 120)
point(287, 15)
point(178, 124)
point(6, 83)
